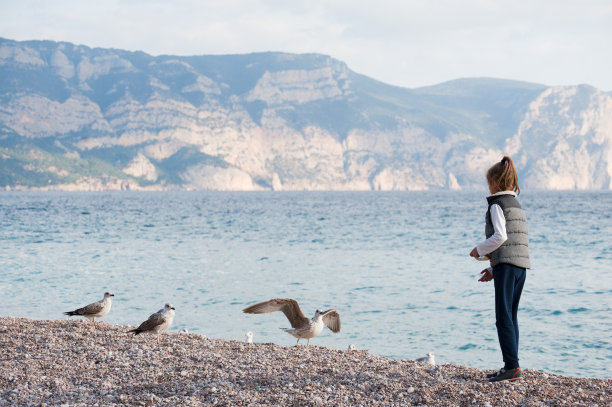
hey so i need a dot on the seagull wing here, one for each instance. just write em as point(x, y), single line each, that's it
point(152, 322)
point(90, 309)
point(331, 319)
point(289, 307)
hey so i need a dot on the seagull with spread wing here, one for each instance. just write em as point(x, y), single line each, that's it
point(94, 310)
point(157, 323)
point(301, 326)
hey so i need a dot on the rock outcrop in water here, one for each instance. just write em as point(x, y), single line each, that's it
point(74, 117)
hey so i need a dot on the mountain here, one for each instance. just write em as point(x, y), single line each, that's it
point(80, 118)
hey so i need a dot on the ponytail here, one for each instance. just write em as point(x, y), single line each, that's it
point(504, 174)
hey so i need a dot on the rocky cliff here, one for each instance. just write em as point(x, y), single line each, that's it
point(73, 117)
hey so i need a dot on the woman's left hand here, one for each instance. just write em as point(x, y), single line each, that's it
point(474, 252)
point(486, 276)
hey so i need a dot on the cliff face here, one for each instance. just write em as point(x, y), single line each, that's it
point(73, 117)
point(564, 140)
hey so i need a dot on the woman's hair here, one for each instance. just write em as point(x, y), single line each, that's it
point(504, 174)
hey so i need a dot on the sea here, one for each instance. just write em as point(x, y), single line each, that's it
point(395, 266)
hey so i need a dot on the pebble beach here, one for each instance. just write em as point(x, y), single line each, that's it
point(77, 363)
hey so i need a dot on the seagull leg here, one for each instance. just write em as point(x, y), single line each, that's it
point(298, 342)
point(308, 342)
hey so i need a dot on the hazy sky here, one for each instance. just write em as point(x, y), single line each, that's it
point(408, 43)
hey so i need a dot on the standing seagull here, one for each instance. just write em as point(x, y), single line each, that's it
point(95, 310)
point(429, 359)
point(301, 327)
point(158, 322)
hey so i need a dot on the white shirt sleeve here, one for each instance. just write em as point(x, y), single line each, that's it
point(499, 235)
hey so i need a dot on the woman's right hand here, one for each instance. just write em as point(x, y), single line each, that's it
point(487, 275)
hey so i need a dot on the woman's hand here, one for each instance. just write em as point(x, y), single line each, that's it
point(487, 275)
point(474, 252)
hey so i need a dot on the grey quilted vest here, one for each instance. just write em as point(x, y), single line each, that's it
point(515, 250)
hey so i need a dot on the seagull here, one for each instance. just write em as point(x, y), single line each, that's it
point(249, 337)
point(301, 327)
point(158, 322)
point(352, 348)
point(429, 359)
point(94, 310)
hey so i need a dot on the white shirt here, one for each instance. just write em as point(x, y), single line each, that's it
point(499, 235)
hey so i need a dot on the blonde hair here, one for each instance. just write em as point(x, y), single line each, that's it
point(504, 174)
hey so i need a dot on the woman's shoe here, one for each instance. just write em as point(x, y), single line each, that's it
point(490, 375)
point(507, 375)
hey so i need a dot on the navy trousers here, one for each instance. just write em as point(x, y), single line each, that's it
point(508, 280)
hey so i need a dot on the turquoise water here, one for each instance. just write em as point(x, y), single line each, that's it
point(394, 265)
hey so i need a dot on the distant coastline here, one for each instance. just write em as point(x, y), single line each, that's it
point(158, 188)
point(85, 118)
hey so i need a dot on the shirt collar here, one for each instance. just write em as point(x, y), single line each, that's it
point(504, 193)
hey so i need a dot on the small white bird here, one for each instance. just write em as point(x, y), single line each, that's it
point(157, 322)
point(184, 331)
point(429, 359)
point(301, 326)
point(249, 337)
point(352, 348)
point(94, 310)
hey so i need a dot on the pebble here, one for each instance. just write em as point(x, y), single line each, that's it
point(193, 370)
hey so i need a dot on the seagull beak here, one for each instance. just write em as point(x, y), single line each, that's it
point(172, 308)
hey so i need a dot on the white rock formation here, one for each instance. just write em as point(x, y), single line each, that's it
point(141, 167)
point(563, 140)
point(565, 143)
point(207, 177)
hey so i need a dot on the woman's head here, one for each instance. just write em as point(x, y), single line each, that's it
point(502, 176)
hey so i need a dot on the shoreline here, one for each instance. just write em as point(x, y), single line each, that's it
point(45, 363)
